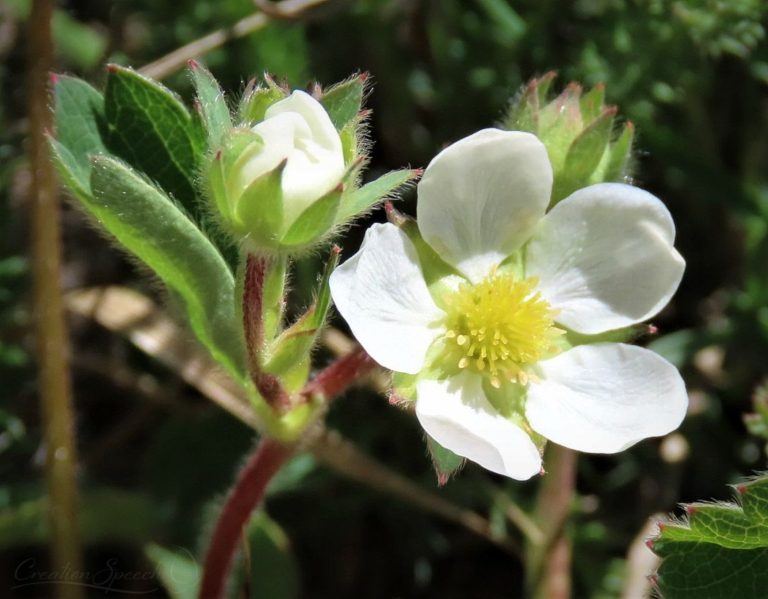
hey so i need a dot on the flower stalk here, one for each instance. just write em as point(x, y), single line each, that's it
point(270, 455)
point(549, 561)
point(245, 496)
point(337, 377)
point(268, 385)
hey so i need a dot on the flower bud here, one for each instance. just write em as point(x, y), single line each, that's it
point(578, 131)
point(278, 182)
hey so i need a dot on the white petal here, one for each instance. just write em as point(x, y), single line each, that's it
point(299, 130)
point(310, 173)
point(381, 293)
point(605, 259)
point(602, 398)
point(480, 198)
point(313, 113)
point(456, 414)
point(277, 136)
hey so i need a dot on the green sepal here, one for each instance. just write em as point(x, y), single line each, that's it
point(620, 154)
point(349, 136)
point(592, 103)
point(150, 226)
point(344, 100)
point(523, 113)
point(359, 201)
point(560, 123)
point(294, 345)
point(314, 223)
point(445, 462)
point(623, 335)
point(216, 182)
point(256, 100)
point(584, 155)
point(259, 210)
point(151, 130)
point(404, 385)
point(213, 104)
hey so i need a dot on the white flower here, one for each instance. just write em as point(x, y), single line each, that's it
point(488, 342)
point(299, 131)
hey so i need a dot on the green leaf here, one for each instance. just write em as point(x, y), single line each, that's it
point(361, 200)
point(344, 100)
point(213, 104)
point(79, 118)
point(150, 226)
point(272, 567)
point(152, 131)
point(720, 551)
point(178, 571)
point(314, 223)
point(445, 462)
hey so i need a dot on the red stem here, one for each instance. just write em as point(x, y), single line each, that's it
point(243, 499)
point(253, 324)
point(333, 380)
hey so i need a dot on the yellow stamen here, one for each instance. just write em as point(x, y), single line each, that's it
point(500, 326)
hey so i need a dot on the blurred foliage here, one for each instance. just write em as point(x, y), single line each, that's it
point(692, 75)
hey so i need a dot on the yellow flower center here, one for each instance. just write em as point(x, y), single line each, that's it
point(499, 326)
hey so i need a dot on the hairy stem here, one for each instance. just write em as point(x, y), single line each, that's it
point(50, 328)
point(244, 497)
point(256, 273)
point(549, 562)
point(336, 378)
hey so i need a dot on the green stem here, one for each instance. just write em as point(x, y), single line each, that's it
point(50, 328)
